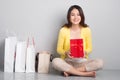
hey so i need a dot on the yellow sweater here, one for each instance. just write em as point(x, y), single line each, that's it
point(63, 44)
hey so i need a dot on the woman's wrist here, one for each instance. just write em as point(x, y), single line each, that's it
point(66, 52)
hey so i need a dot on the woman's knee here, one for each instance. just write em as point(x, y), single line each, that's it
point(60, 64)
point(99, 63)
point(94, 65)
point(55, 61)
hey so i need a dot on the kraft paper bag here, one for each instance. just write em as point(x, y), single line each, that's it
point(20, 56)
point(9, 56)
point(43, 62)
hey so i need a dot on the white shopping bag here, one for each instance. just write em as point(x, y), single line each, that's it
point(30, 57)
point(43, 62)
point(9, 57)
point(20, 56)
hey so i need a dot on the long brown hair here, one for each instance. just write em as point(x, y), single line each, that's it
point(82, 23)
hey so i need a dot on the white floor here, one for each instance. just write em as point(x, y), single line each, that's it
point(101, 75)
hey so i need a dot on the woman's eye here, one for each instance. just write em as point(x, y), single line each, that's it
point(75, 14)
point(72, 15)
point(78, 14)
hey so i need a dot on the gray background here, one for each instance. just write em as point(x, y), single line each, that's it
point(43, 19)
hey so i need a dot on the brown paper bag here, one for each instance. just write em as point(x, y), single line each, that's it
point(43, 62)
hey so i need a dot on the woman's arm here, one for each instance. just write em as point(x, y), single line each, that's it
point(88, 41)
point(60, 43)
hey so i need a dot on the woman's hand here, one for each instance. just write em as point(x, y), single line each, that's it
point(68, 54)
point(85, 53)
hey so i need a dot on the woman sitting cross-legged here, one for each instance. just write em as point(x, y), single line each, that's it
point(75, 29)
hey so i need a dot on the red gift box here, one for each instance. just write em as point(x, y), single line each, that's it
point(76, 48)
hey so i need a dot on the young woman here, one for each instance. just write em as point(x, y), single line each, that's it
point(75, 29)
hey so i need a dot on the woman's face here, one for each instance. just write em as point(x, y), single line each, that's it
point(75, 17)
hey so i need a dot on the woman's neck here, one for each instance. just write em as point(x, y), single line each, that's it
point(75, 32)
point(75, 27)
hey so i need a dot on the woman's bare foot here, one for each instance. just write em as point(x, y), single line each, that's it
point(65, 74)
point(86, 74)
point(91, 74)
point(94, 73)
point(83, 69)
